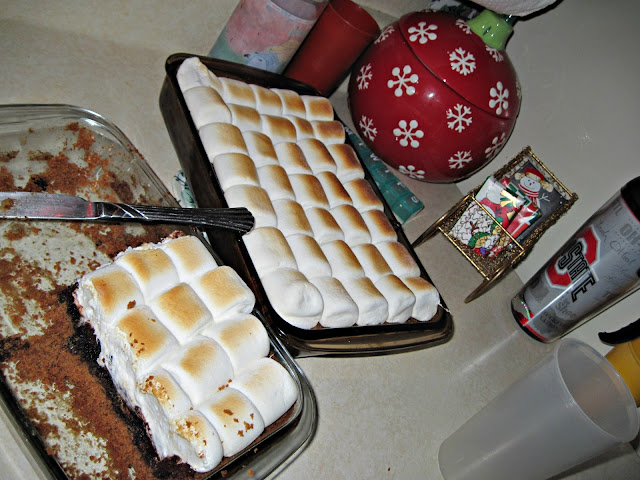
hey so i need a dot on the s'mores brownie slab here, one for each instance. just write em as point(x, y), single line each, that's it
point(344, 265)
point(176, 331)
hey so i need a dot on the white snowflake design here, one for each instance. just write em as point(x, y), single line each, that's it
point(461, 117)
point(499, 98)
point(462, 61)
point(464, 26)
point(364, 75)
point(402, 81)
point(422, 33)
point(384, 34)
point(411, 171)
point(495, 53)
point(459, 160)
point(496, 145)
point(408, 133)
point(368, 130)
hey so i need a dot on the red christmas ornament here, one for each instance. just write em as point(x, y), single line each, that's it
point(432, 98)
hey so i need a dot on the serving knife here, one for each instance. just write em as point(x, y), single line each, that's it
point(54, 206)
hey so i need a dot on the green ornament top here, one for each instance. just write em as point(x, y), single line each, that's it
point(493, 28)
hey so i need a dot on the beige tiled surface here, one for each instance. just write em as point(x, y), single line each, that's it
point(381, 417)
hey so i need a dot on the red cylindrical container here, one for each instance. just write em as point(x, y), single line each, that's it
point(338, 38)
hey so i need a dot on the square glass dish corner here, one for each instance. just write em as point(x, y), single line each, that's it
point(68, 149)
point(206, 190)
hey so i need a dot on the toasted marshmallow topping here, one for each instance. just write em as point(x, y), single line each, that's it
point(313, 186)
point(175, 331)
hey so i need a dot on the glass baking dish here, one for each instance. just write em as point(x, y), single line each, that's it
point(350, 341)
point(47, 363)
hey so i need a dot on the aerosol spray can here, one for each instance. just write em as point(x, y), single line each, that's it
point(596, 268)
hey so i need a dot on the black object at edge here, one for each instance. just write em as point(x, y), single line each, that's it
point(623, 335)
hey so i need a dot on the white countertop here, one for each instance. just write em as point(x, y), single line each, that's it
point(385, 416)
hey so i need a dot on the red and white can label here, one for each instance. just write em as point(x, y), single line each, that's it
point(595, 268)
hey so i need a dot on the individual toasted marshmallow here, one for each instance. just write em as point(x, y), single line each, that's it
point(218, 138)
point(427, 298)
point(234, 169)
point(275, 181)
point(348, 166)
point(106, 293)
point(151, 268)
point(269, 250)
point(243, 338)
point(293, 297)
point(269, 387)
point(308, 191)
point(237, 420)
point(245, 118)
point(147, 339)
point(317, 155)
point(278, 129)
point(344, 264)
point(363, 196)
point(292, 104)
point(400, 299)
point(309, 256)
point(166, 392)
point(189, 255)
point(334, 190)
point(304, 129)
point(372, 261)
point(123, 349)
point(373, 308)
point(181, 310)
point(206, 106)
point(339, 308)
point(200, 368)
point(352, 224)
point(317, 108)
point(324, 226)
point(193, 73)
point(260, 148)
point(379, 226)
point(290, 218)
point(237, 92)
point(224, 293)
point(197, 442)
point(329, 132)
point(292, 159)
point(267, 101)
point(256, 200)
point(399, 259)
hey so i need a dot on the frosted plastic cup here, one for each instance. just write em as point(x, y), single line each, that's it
point(340, 35)
point(572, 406)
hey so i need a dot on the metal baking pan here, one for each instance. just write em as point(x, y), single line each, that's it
point(49, 379)
point(350, 341)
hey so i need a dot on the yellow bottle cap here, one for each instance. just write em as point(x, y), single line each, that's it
point(625, 358)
